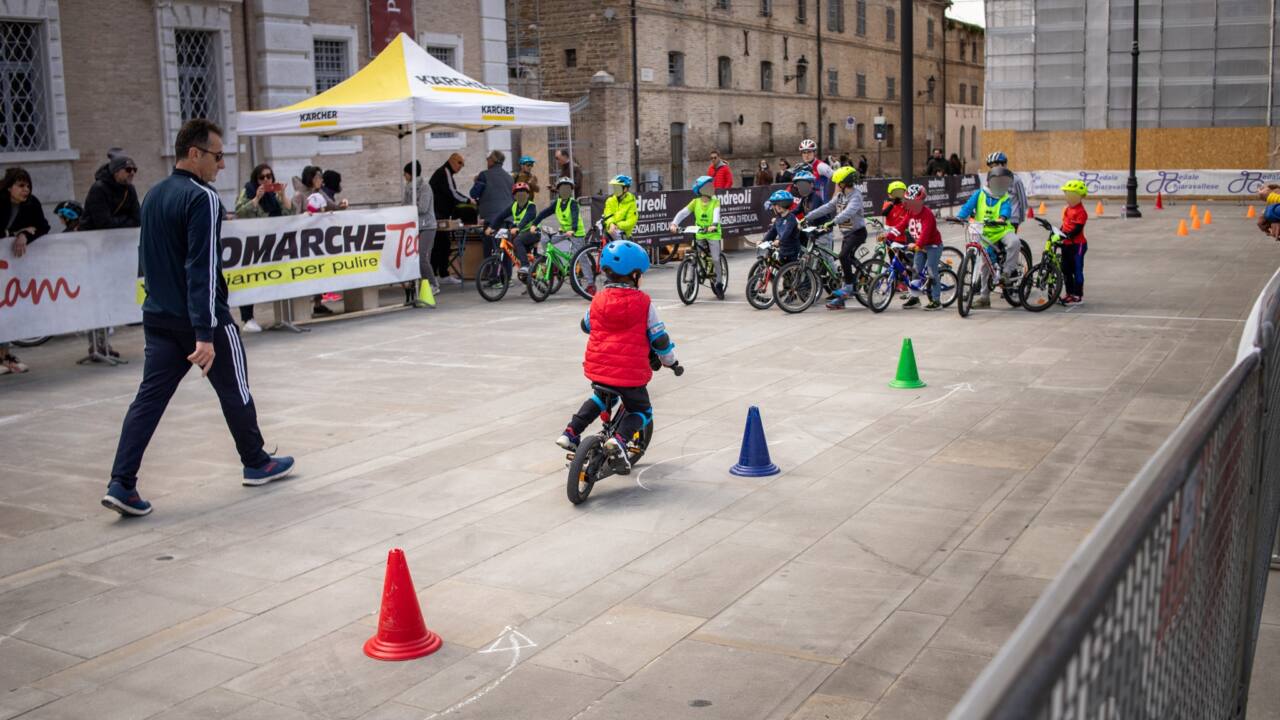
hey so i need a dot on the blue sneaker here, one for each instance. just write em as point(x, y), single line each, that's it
point(125, 501)
point(274, 469)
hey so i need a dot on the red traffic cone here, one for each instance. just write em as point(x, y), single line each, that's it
point(402, 633)
point(1159, 201)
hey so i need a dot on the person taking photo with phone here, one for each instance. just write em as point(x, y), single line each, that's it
point(261, 197)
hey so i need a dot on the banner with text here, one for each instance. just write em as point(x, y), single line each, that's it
point(1194, 183)
point(78, 281)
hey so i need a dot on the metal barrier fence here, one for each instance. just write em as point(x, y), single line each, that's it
point(1156, 614)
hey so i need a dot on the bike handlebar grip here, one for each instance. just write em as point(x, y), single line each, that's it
point(677, 369)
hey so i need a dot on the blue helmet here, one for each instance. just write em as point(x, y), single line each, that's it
point(997, 157)
point(803, 175)
point(781, 197)
point(526, 160)
point(623, 180)
point(701, 183)
point(623, 257)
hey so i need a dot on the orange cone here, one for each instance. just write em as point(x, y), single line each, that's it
point(1043, 208)
point(1253, 212)
point(1195, 222)
point(1159, 201)
point(1193, 210)
point(1098, 210)
point(1182, 228)
point(1208, 217)
point(402, 633)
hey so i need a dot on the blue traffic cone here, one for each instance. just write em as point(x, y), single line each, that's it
point(754, 461)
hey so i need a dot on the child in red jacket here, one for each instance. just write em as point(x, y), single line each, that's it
point(624, 328)
point(917, 226)
point(1074, 244)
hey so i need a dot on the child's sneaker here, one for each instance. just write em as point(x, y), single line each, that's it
point(273, 469)
point(616, 446)
point(13, 364)
point(911, 303)
point(982, 302)
point(125, 501)
point(568, 440)
point(835, 303)
point(718, 289)
point(933, 305)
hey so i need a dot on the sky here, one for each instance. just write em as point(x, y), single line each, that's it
point(969, 11)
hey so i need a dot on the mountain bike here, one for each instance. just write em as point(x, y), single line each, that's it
point(585, 266)
point(697, 268)
point(1044, 282)
point(493, 277)
point(977, 267)
point(549, 269)
point(798, 283)
point(894, 266)
point(590, 464)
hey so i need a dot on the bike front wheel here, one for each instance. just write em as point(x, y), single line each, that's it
point(796, 287)
point(585, 271)
point(948, 286)
point(542, 279)
point(879, 285)
point(760, 286)
point(493, 278)
point(967, 282)
point(584, 469)
point(687, 280)
point(1041, 287)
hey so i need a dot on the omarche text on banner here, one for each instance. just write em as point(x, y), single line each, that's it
point(79, 281)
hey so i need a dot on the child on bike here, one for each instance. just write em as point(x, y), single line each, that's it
point(1017, 191)
point(519, 221)
point(620, 212)
point(802, 187)
point(705, 209)
point(991, 207)
point(845, 209)
point(893, 204)
point(624, 328)
point(1074, 244)
point(569, 215)
point(1269, 219)
point(785, 230)
point(918, 227)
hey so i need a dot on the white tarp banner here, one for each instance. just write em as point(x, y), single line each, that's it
point(79, 281)
point(1195, 183)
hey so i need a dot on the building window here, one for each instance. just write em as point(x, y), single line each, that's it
point(766, 76)
point(862, 135)
point(860, 10)
point(724, 73)
point(677, 155)
point(973, 141)
point(766, 8)
point(803, 129)
point(724, 138)
point(802, 11)
point(571, 57)
point(860, 85)
point(831, 137)
point(928, 34)
point(973, 94)
point(198, 84)
point(802, 78)
point(963, 94)
point(888, 135)
point(675, 69)
point(929, 92)
point(974, 47)
point(722, 4)
point(766, 136)
point(448, 50)
point(23, 93)
point(835, 15)
point(331, 61)
point(833, 82)
point(890, 25)
point(890, 87)
point(962, 138)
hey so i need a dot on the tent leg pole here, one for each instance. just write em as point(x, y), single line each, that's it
point(576, 190)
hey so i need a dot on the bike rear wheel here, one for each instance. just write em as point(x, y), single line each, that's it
point(687, 280)
point(879, 287)
point(796, 287)
point(542, 279)
point(724, 277)
point(760, 286)
point(948, 286)
point(584, 469)
point(586, 262)
point(1041, 287)
point(493, 278)
point(966, 283)
point(1013, 295)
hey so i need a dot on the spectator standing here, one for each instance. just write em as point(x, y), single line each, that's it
point(562, 158)
point(763, 175)
point(185, 319)
point(937, 165)
point(311, 180)
point(720, 172)
point(446, 197)
point(862, 166)
point(24, 221)
point(326, 200)
point(492, 191)
point(954, 165)
point(261, 197)
point(416, 189)
point(784, 171)
point(112, 201)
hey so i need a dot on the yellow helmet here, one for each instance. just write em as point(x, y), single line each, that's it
point(1075, 186)
point(847, 173)
point(896, 185)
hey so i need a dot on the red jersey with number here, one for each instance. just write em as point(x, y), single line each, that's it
point(1074, 217)
point(921, 227)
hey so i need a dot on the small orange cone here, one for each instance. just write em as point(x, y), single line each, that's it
point(1193, 210)
point(1182, 228)
point(402, 633)
point(1253, 212)
point(1208, 217)
point(1098, 210)
point(1159, 201)
point(1195, 222)
point(1043, 208)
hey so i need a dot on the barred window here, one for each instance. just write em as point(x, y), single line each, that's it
point(332, 63)
point(23, 93)
point(449, 56)
point(198, 85)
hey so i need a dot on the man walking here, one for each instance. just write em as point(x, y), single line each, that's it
point(186, 320)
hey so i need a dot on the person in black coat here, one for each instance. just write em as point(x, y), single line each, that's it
point(24, 221)
point(112, 202)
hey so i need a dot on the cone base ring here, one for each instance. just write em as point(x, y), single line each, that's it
point(907, 384)
point(754, 470)
point(382, 650)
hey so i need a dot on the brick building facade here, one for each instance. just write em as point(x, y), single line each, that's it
point(124, 73)
point(965, 79)
point(740, 75)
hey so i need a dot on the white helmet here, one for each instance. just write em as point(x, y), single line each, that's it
point(808, 144)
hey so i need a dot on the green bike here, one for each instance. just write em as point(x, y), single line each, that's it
point(697, 269)
point(1044, 282)
point(797, 285)
point(549, 270)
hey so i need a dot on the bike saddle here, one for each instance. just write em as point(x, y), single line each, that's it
point(604, 390)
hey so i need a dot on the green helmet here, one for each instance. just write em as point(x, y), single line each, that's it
point(1076, 186)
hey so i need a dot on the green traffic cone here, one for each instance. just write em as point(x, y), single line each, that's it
point(424, 292)
point(908, 377)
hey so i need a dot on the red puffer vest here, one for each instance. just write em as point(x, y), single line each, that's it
point(618, 349)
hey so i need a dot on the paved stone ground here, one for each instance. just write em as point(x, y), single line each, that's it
point(875, 577)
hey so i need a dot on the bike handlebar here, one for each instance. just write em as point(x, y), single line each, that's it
point(678, 369)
